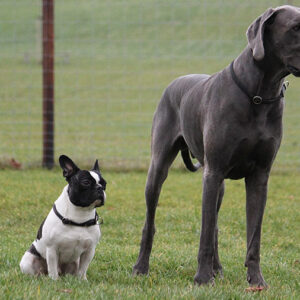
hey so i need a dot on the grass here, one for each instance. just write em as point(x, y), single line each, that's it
point(28, 196)
point(113, 61)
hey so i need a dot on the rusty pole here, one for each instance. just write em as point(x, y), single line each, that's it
point(48, 83)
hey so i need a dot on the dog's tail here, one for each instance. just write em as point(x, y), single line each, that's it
point(185, 154)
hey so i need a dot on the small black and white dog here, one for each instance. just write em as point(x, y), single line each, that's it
point(66, 240)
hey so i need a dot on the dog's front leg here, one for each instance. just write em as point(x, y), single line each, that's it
point(52, 262)
point(256, 191)
point(85, 259)
point(217, 267)
point(211, 189)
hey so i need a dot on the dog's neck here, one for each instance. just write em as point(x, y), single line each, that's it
point(269, 74)
point(70, 211)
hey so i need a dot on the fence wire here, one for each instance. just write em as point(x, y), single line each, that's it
point(113, 59)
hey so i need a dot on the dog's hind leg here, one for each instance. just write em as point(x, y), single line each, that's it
point(33, 265)
point(156, 176)
point(165, 147)
point(217, 267)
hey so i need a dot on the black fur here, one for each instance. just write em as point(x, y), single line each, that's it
point(33, 251)
point(40, 231)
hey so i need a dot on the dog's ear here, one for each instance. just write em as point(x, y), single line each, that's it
point(255, 33)
point(96, 166)
point(68, 166)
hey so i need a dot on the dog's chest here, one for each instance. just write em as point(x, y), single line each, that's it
point(67, 240)
point(72, 243)
point(250, 153)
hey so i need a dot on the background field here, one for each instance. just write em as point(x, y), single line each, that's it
point(113, 61)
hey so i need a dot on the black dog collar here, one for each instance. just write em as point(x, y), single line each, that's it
point(66, 221)
point(257, 99)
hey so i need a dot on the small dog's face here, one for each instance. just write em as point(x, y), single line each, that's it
point(86, 188)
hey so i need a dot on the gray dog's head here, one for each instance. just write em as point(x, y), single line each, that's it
point(277, 32)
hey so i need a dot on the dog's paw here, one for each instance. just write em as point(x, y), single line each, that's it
point(53, 276)
point(82, 276)
point(140, 270)
point(201, 279)
point(218, 273)
point(257, 280)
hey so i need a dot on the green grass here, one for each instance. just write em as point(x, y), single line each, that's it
point(113, 61)
point(29, 195)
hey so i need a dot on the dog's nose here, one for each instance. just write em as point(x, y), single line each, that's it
point(99, 187)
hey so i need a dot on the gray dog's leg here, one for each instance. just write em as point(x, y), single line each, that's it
point(256, 191)
point(217, 267)
point(165, 147)
point(212, 186)
point(156, 176)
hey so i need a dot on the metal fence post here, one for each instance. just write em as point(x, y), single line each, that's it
point(48, 83)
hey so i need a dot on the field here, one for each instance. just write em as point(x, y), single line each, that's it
point(28, 196)
point(113, 61)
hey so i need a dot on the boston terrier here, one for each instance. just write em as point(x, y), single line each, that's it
point(67, 238)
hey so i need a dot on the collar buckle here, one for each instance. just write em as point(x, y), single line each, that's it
point(257, 100)
point(65, 221)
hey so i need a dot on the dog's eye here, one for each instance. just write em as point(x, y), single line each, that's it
point(296, 28)
point(86, 183)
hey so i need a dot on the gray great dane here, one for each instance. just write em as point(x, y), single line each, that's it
point(231, 122)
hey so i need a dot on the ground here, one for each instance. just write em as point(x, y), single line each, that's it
point(28, 195)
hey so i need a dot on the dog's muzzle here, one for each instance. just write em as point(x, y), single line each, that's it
point(101, 201)
point(293, 70)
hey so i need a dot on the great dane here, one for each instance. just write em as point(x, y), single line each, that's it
point(231, 122)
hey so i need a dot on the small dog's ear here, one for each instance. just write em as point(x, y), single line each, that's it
point(96, 166)
point(255, 33)
point(68, 166)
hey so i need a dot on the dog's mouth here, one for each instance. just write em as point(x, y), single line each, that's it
point(100, 202)
point(293, 70)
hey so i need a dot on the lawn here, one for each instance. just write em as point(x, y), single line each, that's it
point(29, 195)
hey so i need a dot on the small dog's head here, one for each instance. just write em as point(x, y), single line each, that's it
point(86, 188)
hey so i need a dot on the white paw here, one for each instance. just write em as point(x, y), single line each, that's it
point(82, 277)
point(53, 276)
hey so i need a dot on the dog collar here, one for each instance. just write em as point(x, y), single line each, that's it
point(257, 99)
point(66, 221)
